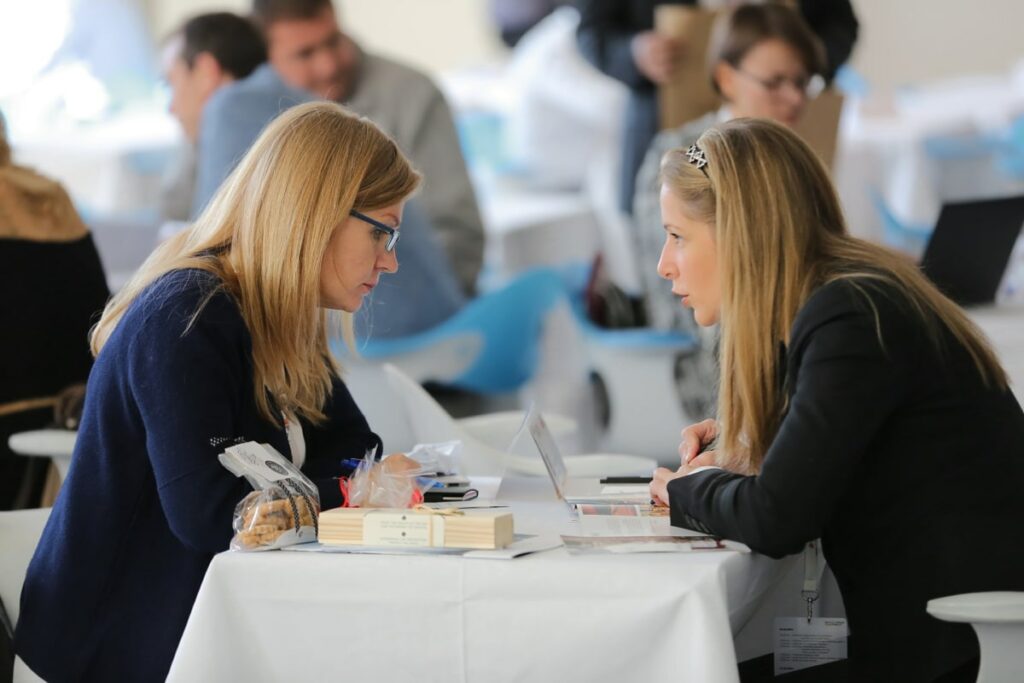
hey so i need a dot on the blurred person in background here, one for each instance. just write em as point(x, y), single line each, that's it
point(54, 289)
point(514, 18)
point(618, 38)
point(208, 52)
point(309, 52)
point(762, 60)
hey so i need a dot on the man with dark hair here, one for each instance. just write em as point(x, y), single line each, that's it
point(205, 54)
point(311, 56)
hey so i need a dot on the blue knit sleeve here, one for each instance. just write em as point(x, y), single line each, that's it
point(190, 388)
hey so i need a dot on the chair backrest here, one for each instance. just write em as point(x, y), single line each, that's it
point(384, 410)
point(497, 337)
point(19, 534)
point(431, 423)
point(908, 237)
point(403, 414)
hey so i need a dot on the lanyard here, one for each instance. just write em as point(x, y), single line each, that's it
point(812, 575)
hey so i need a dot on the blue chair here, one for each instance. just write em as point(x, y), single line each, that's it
point(851, 82)
point(911, 238)
point(1010, 157)
point(963, 147)
point(490, 346)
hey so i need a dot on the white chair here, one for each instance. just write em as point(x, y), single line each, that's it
point(19, 534)
point(57, 444)
point(998, 620)
point(404, 414)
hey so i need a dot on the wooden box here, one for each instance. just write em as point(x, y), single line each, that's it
point(482, 528)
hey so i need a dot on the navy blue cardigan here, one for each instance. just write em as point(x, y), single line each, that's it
point(146, 503)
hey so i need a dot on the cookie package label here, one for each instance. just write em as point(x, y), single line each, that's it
point(402, 529)
point(259, 463)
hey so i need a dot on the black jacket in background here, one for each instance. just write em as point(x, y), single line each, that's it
point(901, 460)
point(52, 294)
point(607, 27)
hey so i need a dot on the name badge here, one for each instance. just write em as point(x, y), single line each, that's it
point(801, 642)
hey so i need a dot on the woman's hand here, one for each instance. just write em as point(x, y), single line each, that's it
point(398, 463)
point(694, 438)
point(663, 475)
point(390, 483)
point(659, 484)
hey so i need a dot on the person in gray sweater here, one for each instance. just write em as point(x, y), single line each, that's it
point(311, 57)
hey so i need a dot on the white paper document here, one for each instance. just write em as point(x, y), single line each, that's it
point(627, 520)
point(801, 642)
point(522, 545)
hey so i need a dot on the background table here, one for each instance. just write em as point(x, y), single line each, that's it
point(545, 617)
point(1004, 327)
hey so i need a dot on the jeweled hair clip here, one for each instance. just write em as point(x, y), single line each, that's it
point(695, 155)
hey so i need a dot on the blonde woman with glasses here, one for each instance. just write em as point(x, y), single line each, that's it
point(221, 337)
point(856, 404)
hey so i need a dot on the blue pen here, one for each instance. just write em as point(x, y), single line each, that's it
point(352, 463)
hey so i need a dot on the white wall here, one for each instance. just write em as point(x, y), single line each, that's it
point(906, 41)
point(435, 35)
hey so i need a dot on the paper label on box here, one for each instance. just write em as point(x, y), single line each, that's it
point(397, 528)
point(800, 643)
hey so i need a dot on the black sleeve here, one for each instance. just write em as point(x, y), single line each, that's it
point(836, 25)
point(846, 387)
point(605, 40)
point(345, 435)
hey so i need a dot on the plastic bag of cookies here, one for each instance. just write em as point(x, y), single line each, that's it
point(275, 517)
point(284, 507)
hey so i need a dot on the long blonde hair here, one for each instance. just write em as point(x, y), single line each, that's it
point(780, 234)
point(264, 235)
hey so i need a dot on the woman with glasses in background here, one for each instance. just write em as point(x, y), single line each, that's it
point(765, 62)
point(220, 338)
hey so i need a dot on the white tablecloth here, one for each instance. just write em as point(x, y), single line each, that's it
point(1004, 327)
point(547, 617)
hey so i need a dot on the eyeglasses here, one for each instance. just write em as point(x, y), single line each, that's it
point(391, 233)
point(808, 86)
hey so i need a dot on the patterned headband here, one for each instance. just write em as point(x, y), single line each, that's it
point(695, 155)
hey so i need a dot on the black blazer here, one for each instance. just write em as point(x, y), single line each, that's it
point(900, 459)
point(605, 34)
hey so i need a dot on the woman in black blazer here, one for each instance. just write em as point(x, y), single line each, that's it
point(856, 403)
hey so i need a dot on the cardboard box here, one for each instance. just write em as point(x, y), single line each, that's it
point(690, 95)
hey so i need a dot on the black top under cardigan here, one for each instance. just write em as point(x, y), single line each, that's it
point(898, 456)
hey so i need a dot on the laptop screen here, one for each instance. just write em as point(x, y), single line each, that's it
point(549, 453)
point(970, 247)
